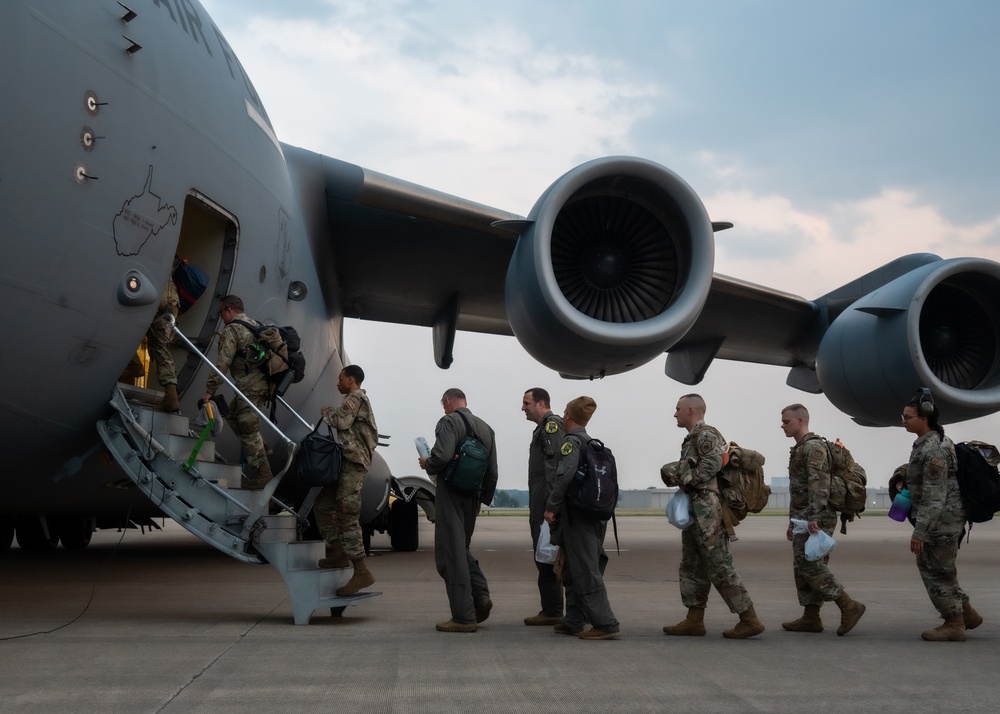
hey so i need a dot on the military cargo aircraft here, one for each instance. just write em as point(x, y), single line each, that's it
point(133, 135)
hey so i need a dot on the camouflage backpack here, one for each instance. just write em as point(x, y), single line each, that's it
point(848, 483)
point(741, 484)
point(276, 350)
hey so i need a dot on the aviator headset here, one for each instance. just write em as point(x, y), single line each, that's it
point(925, 403)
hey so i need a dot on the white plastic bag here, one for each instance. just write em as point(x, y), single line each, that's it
point(679, 510)
point(817, 544)
point(545, 552)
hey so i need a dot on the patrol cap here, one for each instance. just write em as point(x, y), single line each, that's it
point(581, 409)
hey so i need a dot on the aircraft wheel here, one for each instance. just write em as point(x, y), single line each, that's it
point(6, 533)
point(403, 532)
point(32, 537)
point(75, 533)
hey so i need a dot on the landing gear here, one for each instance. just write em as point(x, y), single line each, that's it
point(36, 534)
point(403, 532)
point(75, 533)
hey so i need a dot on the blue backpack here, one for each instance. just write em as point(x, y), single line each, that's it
point(190, 281)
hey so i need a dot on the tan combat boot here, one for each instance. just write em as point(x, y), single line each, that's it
point(809, 622)
point(971, 618)
point(362, 578)
point(952, 630)
point(541, 619)
point(748, 626)
point(692, 625)
point(335, 557)
point(850, 612)
point(169, 403)
point(452, 626)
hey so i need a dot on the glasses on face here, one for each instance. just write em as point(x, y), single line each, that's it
point(907, 417)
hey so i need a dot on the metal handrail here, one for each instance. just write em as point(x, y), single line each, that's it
point(268, 492)
point(120, 405)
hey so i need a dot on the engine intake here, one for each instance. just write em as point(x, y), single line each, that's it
point(613, 269)
point(936, 327)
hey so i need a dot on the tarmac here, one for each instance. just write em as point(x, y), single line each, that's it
point(163, 623)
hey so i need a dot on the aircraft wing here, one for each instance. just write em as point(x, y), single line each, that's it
point(407, 254)
point(614, 266)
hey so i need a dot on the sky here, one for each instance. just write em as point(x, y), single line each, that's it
point(835, 136)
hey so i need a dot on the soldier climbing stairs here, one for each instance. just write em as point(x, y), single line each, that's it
point(177, 469)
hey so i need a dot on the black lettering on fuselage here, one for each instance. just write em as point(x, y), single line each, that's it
point(188, 18)
point(236, 71)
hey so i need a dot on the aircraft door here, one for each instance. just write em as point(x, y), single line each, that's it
point(208, 240)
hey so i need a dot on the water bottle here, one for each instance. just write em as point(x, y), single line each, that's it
point(424, 450)
point(900, 506)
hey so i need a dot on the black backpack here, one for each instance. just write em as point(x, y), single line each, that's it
point(594, 488)
point(978, 480)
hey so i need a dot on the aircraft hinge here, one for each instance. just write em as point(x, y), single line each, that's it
point(129, 15)
point(133, 46)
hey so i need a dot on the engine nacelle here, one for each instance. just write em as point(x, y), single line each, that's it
point(613, 269)
point(936, 327)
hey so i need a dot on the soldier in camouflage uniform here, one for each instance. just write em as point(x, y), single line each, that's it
point(338, 507)
point(809, 500)
point(250, 379)
point(543, 457)
point(940, 519)
point(159, 337)
point(705, 556)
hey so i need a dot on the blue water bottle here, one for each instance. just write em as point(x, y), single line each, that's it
point(900, 506)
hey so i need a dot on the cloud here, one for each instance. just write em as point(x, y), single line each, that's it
point(826, 173)
point(814, 251)
point(485, 104)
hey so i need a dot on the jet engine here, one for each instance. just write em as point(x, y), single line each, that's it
point(612, 268)
point(937, 327)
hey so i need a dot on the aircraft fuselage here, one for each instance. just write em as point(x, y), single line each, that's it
point(127, 142)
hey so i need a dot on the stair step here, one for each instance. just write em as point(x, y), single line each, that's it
point(163, 423)
point(278, 529)
point(228, 476)
point(182, 446)
point(305, 554)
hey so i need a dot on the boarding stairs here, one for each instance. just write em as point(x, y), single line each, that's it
point(178, 470)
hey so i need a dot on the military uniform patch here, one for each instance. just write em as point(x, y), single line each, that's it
point(706, 446)
point(567, 448)
point(551, 427)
